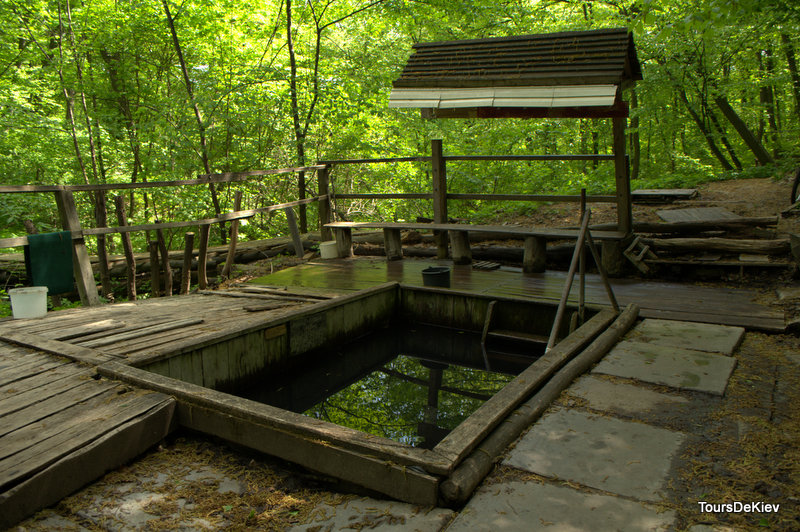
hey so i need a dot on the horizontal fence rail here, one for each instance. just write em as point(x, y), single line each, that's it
point(201, 180)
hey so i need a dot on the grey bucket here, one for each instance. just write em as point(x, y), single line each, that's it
point(436, 276)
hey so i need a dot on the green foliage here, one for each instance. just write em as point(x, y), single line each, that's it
point(119, 58)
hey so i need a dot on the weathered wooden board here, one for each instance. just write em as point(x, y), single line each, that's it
point(666, 195)
point(697, 214)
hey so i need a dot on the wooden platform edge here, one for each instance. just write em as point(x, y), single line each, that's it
point(469, 434)
point(303, 428)
point(87, 464)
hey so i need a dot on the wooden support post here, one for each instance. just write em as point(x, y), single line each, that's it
point(82, 266)
point(162, 248)
point(130, 261)
point(155, 270)
point(323, 189)
point(237, 206)
point(202, 257)
point(344, 241)
point(392, 244)
point(296, 240)
point(535, 255)
point(612, 257)
point(101, 216)
point(622, 176)
point(186, 272)
point(439, 173)
point(462, 253)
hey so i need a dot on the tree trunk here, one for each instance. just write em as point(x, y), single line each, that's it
point(299, 133)
point(723, 137)
point(762, 156)
point(792, 63)
point(636, 149)
point(201, 128)
point(712, 144)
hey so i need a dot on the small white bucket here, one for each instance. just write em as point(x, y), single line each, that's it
point(327, 250)
point(28, 302)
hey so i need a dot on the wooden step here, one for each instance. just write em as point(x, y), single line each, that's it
point(519, 336)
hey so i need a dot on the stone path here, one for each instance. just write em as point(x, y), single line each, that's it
point(600, 465)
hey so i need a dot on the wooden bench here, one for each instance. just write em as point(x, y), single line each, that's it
point(535, 239)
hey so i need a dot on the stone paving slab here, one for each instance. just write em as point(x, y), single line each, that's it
point(374, 514)
point(672, 366)
point(698, 336)
point(516, 506)
point(622, 398)
point(622, 457)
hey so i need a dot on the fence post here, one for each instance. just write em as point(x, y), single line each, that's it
point(127, 248)
point(237, 206)
point(202, 256)
point(297, 242)
point(323, 189)
point(186, 272)
point(439, 173)
point(81, 264)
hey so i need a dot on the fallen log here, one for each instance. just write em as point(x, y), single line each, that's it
point(723, 245)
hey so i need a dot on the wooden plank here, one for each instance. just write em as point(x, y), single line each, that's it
point(138, 333)
point(384, 476)
point(697, 214)
point(464, 438)
point(555, 198)
point(87, 463)
point(67, 394)
point(38, 386)
point(29, 368)
point(622, 176)
point(30, 449)
point(83, 330)
point(550, 233)
point(70, 351)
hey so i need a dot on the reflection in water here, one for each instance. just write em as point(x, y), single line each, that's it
point(413, 384)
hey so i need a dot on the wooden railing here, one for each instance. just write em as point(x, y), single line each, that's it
point(439, 194)
point(65, 201)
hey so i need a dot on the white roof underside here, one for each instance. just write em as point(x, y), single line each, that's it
point(548, 97)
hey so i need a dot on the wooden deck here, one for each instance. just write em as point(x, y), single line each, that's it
point(62, 426)
point(725, 306)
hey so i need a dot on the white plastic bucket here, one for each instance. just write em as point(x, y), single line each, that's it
point(327, 250)
point(28, 302)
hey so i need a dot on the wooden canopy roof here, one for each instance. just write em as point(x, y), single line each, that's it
point(577, 73)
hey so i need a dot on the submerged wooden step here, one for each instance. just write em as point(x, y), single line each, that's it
point(520, 336)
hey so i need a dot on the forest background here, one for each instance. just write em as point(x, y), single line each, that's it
point(101, 91)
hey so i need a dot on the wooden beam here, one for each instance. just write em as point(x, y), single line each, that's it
point(81, 264)
point(622, 178)
point(439, 187)
point(324, 208)
point(295, 232)
point(201, 180)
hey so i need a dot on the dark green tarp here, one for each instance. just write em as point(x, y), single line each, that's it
point(48, 261)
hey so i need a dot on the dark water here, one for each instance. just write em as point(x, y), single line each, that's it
point(413, 383)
